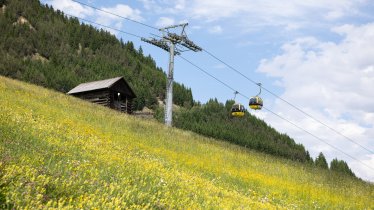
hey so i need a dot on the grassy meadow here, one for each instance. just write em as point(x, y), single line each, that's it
point(59, 152)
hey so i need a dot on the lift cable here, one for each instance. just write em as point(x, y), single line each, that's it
point(105, 11)
point(115, 29)
point(207, 73)
point(229, 87)
point(290, 104)
point(249, 79)
point(279, 116)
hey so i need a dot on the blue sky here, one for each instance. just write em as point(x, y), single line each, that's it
point(317, 55)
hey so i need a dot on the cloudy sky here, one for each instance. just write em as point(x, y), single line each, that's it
point(317, 55)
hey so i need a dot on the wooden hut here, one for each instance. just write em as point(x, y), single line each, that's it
point(114, 93)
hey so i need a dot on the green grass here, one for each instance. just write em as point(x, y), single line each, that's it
point(61, 152)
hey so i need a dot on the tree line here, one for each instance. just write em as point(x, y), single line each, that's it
point(214, 119)
point(58, 52)
point(336, 165)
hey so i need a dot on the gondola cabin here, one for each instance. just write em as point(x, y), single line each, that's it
point(256, 103)
point(114, 93)
point(237, 110)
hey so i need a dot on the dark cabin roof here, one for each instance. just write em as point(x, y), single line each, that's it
point(116, 84)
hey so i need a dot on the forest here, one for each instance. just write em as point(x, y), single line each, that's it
point(214, 120)
point(58, 52)
point(45, 47)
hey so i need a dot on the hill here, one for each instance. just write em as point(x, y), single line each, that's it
point(213, 119)
point(56, 151)
point(44, 47)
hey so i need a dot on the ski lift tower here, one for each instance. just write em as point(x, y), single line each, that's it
point(174, 44)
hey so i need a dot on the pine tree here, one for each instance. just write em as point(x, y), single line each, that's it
point(341, 167)
point(140, 51)
point(75, 53)
point(309, 158)
point(321, 161)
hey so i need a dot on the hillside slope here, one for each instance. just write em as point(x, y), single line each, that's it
point(58, 151)
point(44, 47)
point(214, 120)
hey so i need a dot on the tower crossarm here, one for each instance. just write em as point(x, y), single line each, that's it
point(159, 43)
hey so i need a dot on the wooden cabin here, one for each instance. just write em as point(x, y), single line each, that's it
point(114, 93)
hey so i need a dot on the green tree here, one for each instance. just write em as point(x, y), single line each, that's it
point(341, 166)
point(321, 161)
point(213, 119)
point(101, 55)
point(140, 51)
point(309, 158)
point(75, 53)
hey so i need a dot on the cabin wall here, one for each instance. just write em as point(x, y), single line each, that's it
point(115, 101)
point(98, 97)
point(121, 102)
point(109, 98)
point(122, 87)
point(129, 106)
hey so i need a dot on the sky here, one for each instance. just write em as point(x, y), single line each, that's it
point(317, 55)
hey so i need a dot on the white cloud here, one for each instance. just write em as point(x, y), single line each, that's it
point(148, 4)
point(71, 8)
point(273, 10)
point(115, 21)
point(333, 15)
point(180, 4)
point(333, 82)
point(164, 21)
point(164, 6)
point(124, 11)
point(81, 11)
point(215, 30)
point(363, 170)
point(254, 14)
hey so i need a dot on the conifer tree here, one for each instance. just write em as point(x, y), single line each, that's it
point(321, 161)
point(74, 53)
point(341, 167)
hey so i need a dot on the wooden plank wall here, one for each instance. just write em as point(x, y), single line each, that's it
point(105, 98)
point(129, 106)
point(101, 98)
